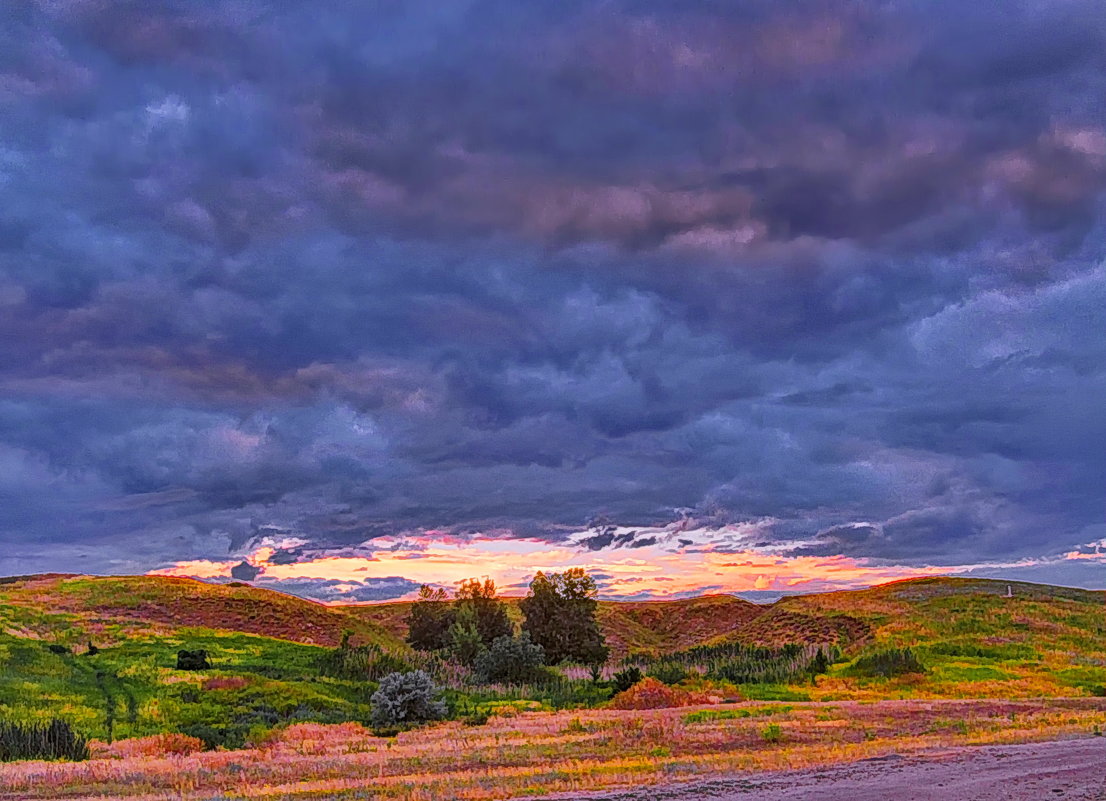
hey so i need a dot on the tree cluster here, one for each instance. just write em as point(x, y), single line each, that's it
point(475, 630)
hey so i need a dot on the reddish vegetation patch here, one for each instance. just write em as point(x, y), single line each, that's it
point(666, 626)
point(317, 738)
point(154, 746)
point(225, 683)
point(778, 626)
point(652, 694)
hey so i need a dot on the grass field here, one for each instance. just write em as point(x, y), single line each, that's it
point(540, 752)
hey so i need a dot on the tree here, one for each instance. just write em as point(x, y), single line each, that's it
point(429, 620)
point(560, 616)
point(489, 612)
point(465, 644)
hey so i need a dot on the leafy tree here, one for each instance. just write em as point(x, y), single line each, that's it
point(560, 616)
point(514, 660)
point(489, 612)
point(465, 644)
point(429, 620)
point(406, 698)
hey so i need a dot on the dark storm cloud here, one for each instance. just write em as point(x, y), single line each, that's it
point(359, 271)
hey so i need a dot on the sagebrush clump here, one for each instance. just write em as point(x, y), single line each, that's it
point(404, 698)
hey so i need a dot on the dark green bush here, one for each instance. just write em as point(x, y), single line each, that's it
point(625, 679)
point(888, 663)
point(53, 740)
point(742, 664)
point(56, 648)
point(192, 660)
point(1097, 690)
point(512, 660)
point(668, 672)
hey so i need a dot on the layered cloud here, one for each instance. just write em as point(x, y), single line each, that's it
point(548, 275)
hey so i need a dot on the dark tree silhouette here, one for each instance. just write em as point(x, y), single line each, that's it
point(560, 617)
point(429, 620)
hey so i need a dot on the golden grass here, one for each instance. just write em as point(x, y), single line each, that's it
point(535, 753)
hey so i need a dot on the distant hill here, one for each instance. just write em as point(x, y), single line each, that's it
point(71, 609)
point(659, 627)
point(941, 613)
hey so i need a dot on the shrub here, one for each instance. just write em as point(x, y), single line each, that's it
point(625, 679)
point(406, 698)
point(192, 660)
point(53, 740)
point(668, 672)
point(514, 660)
point(360, 662)
point(56, 648)
point(888, 663)
point(154, 746)
point(652, 694)
point(739, 663)
point(216, 736)
point(1097, 690)
point(772, 733)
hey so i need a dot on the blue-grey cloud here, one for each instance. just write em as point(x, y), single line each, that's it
point(356, 272)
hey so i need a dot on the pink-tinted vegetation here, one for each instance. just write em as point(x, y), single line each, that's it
point(652, 694)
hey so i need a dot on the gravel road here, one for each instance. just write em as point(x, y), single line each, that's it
point(1070, 770)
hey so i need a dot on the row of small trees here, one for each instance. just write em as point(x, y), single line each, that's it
point(559, 617)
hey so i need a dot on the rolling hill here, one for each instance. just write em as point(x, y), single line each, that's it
point(265, 647)
point(659, 627)
point(71, 609)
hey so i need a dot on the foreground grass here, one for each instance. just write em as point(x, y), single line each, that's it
point(542, 752)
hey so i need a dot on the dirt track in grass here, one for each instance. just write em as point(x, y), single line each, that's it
point(1070, 770)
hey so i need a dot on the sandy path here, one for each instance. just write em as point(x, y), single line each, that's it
point(1070, 770)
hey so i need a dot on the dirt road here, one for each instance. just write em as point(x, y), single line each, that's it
point(1071, 770)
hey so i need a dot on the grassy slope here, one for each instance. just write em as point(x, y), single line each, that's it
point(131, 688)
point(975, 641)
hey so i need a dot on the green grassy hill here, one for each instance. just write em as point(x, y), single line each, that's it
point(973, 639)
point(264, 648)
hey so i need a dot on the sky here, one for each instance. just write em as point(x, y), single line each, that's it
point(760, 297)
